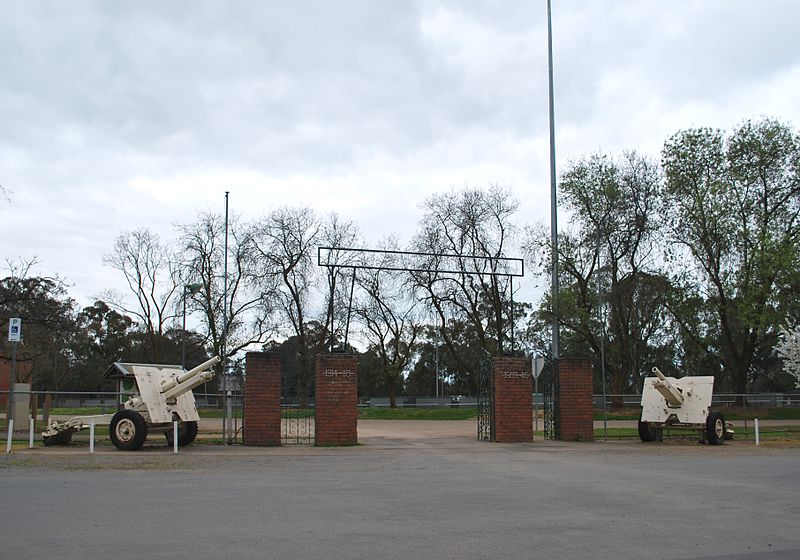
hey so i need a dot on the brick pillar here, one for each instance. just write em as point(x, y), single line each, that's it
point(575, 399)
point(262, 399)
point(336, 416)
point(513, 399)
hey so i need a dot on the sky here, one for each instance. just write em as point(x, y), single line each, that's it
point(119, 116)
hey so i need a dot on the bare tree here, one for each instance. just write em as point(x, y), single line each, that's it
point(284, 244)
point(473, 222)
point(249, 307)
point(151, 273)
point(391, 319)
point(338, 234)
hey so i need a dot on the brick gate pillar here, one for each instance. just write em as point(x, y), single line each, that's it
point(575, 399)
point(513, 399)
point(262, 399)
point(336, 416)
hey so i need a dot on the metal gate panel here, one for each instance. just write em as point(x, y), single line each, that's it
point(549, 384)
point(486, 423)
point(297, 422)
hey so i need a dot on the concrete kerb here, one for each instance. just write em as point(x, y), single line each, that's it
point(368, 445)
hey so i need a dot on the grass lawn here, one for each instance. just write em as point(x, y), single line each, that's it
point(463, 413)
point(772, 433)
point(417, 413)
point(729, 413)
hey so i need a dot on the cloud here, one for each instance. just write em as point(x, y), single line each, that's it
point(118, 116)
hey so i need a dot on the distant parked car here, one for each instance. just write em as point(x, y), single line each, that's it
point(455, 400)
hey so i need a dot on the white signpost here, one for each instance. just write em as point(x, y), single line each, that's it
point(537, 365)
point(14, 336)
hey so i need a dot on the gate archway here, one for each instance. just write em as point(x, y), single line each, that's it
point(483, 270)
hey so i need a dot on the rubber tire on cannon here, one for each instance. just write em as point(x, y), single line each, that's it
point(648, 434)
point(715, 428)
point(128, 430)
point(187, 432)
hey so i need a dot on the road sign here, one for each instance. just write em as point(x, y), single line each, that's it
point(14, 329)
point(538, 366)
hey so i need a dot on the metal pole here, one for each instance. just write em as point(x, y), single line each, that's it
point(9, 439)
point(227, 423)
point(511, 285)
point(605, 399)
point(535, 393)
point(183, 332)
point(349, 310)
point(553, 191)
point(329, 318)
point(601, 320)
point(12, 376)
point(436, 373)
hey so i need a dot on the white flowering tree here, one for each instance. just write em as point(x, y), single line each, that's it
point(789, 349)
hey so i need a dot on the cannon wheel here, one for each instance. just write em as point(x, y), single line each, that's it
point(715, 428)
point(646, 433)
point(128, 430)
point(187, 432)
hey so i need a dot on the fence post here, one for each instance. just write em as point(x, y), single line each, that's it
point(10, 434)
point(46, 409)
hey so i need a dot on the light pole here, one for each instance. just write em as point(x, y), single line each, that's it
point(228, 420)
point(553, 191)
point(602, 321)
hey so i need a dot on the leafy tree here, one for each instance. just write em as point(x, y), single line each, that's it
point(421, 378)
point(295, 382)
point(371, 375)
point(102, 336)
point(48, 321)
point(612, 293)
point(733, 203)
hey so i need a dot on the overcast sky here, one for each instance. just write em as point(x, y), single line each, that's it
point(116, 116)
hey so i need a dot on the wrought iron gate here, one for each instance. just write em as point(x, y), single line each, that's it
point(549, 386)
point(297, 422)
point(486, 428)
point(297, 412)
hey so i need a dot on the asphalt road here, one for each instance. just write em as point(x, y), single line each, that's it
point(404, 498)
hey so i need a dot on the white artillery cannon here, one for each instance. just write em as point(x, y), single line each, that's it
point(685, 403)
point(158, 395)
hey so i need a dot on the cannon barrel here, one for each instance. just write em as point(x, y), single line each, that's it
point(659, 374)
point(189, 379)
point(672, 394)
